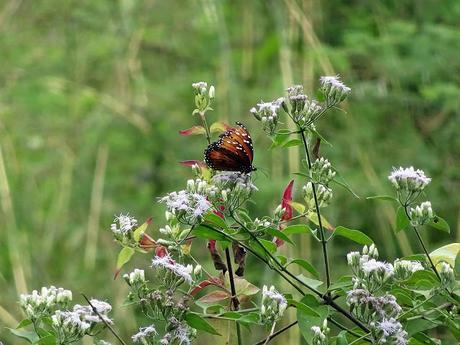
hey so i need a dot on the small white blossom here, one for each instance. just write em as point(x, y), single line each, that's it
point(403, 269)
point(390, 331)
point(322, 171)
point(334, 89)
point(409, 179)
point(268, 114)
point(373, 265)
point(169, 264)
point(123, 224)
point(37, 303)
point(447, 275)
point(144, 332)
point(273, 304)
point(189, 207)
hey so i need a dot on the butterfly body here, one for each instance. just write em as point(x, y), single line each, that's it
point(233, 151)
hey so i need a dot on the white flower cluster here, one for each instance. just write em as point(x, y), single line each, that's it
point(268, 114)
point(322, 171)
point(167, 263)
point(366, 305)
point(409, 179)
point(261, 223)
point(323, 194)
point(233, 188)
point(190, 205)
point(180, 334)
point(79, 321)
point(40, 303)
point(144, 334)
point(135, 278)
point(203, 95)
point(447, 275)
point(122, 228)
point(320, 334)
point(303, 110)
point(403, 269)
point(368, 272)
point(334, 89)
point(421, 214)
point(389, 331)
point(273, 305)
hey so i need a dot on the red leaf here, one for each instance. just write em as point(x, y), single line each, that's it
point(195, 130)
point(146, 242)
point(191, 163)
point(215, 296)
point(286, 204)
point(161, 251)
point(204, 283)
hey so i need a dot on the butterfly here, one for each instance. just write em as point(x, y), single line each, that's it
point(232, 152)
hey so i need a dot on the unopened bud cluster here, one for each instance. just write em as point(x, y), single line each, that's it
point(37, 304)
point(303, 110)
point(203, 96)
point(447, 275)
point(403, 269)
point(421, 214)
point(322, 171)
point(334, 90)
point(323, 195)
point(273, 305)
point(320, 334)
point(232, 189)
point(268, 113)
point(136, 278)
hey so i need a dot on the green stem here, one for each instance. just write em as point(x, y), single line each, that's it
point(236, 303)
point(321, 230)
point(205, 125)
point(423, 245)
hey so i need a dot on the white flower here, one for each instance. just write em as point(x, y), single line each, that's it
point(421, 214)
point(403, 269)
point(353, 259)
point(447, 275)
point(179, 270)
point(38, 303)
point(273, 304)
point(189, 207)
point(409, 179)
point(144, 332)
point(135, 277)
point(267, 113)
point(334, 90)
point(390, 331)
point(373, 265)
point(126, 223)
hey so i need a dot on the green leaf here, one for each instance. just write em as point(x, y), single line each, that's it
point(446, 253)
point(341, 284)
point(218, 127)
point(439, 224)
point(306, 320)
point(141, 229)
point(291, 143)
point(457, 266)
point(269, 245)
point(215, 220)
point(382, 197)
point(296, 229)
point(250, 318)
point(303, 307)
point(300, 208)
point(402, 221)
point(422, 280)
point(204, 231)
point(341, 338)
point(309, 281)
point(31, 337)
point(306, 265)
point(354, 235)
point(214, 297)
point(24, 323)
point(279, 234)
point(124, 256)
point(197, 322)
point(49, 339)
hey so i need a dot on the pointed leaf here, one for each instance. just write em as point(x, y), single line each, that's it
point(215, 296)
point(31, 337)
point(297, 229)
point(218, 127)
point(279, 235)
point(195, 130)
point(298, 206)
point(141, 229)
point(439, 224)
point(286, 201)
point(197, 322)
point(291, 142)
point(402, 221)
point(354, 235)
point(382, 197)
point(124, 256)
point(306, 265)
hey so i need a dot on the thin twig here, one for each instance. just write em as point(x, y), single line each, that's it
point(104, 321)
point(278, 332)
point(234, 299)
point(321, 230)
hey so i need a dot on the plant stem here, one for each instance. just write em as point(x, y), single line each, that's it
point(278, 332)
point(272, 330)
point(103, 320)
point(423, 245)
point(283, 271)
point(236, 303)
point(321, 230)
point(205, 125)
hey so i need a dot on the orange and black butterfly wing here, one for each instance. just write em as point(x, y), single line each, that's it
point(232, 152)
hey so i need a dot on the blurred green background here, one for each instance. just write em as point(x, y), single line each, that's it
point(92, 94)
